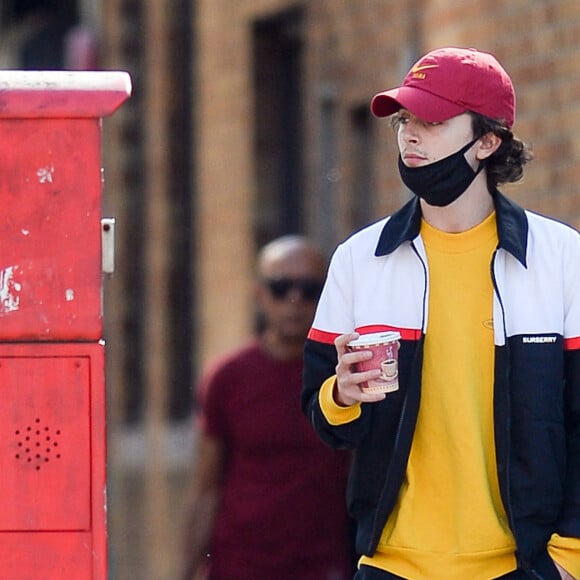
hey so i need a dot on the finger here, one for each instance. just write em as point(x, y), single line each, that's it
point(347, 372)
point(341, 341)
point(350, 358)
point(353, 394)
point(360, 378)
point(372, 397)
point(349, 386)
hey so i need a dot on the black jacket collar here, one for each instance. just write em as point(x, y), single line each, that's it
point(512, 227)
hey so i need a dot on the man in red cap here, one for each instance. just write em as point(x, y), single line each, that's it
point(471, 469)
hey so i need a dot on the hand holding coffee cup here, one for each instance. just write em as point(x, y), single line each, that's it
point(385, 356)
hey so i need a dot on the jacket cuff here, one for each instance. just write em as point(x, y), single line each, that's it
point(334, 413)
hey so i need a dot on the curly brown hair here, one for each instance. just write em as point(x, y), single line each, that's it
point(506, 165)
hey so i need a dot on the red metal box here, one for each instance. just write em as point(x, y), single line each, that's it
point(50, 194)
point(52, 460)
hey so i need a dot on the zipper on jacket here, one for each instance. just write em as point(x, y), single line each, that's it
point(506, 476)
point(376, 534)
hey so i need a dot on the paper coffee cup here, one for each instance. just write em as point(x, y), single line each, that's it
point(385, 349)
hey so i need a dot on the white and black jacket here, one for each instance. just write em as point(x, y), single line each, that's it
point(378, 280)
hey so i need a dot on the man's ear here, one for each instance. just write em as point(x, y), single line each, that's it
point(488, 144)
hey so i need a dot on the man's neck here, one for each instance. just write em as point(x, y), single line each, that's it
point(469, 210)
point(279, 348)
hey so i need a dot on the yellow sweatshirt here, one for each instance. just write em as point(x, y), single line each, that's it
point(449, 522)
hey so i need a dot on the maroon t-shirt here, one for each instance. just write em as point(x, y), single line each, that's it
point(283, 510)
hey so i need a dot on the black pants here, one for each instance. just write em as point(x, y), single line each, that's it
point(371, 573)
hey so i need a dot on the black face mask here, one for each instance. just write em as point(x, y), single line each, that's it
point(442, 182)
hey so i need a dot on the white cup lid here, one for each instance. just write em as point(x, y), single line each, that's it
point(375, 338)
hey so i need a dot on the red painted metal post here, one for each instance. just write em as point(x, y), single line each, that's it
point(52, 381)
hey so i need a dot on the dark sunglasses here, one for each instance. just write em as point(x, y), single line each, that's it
point(309, 288)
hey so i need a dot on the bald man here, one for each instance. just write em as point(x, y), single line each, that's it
point(267, 497)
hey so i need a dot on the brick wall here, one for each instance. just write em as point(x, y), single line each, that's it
point(536, 41)
point(354, 49)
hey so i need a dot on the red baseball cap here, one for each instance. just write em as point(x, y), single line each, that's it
point(449, 81)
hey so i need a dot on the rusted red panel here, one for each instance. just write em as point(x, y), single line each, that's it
point(50, 201)
point(45, 457)
point(50, 212)
point(52, 457)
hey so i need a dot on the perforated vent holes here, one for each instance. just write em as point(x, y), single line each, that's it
point(37, 444)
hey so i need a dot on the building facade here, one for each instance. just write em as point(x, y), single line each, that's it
point(250, 119)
